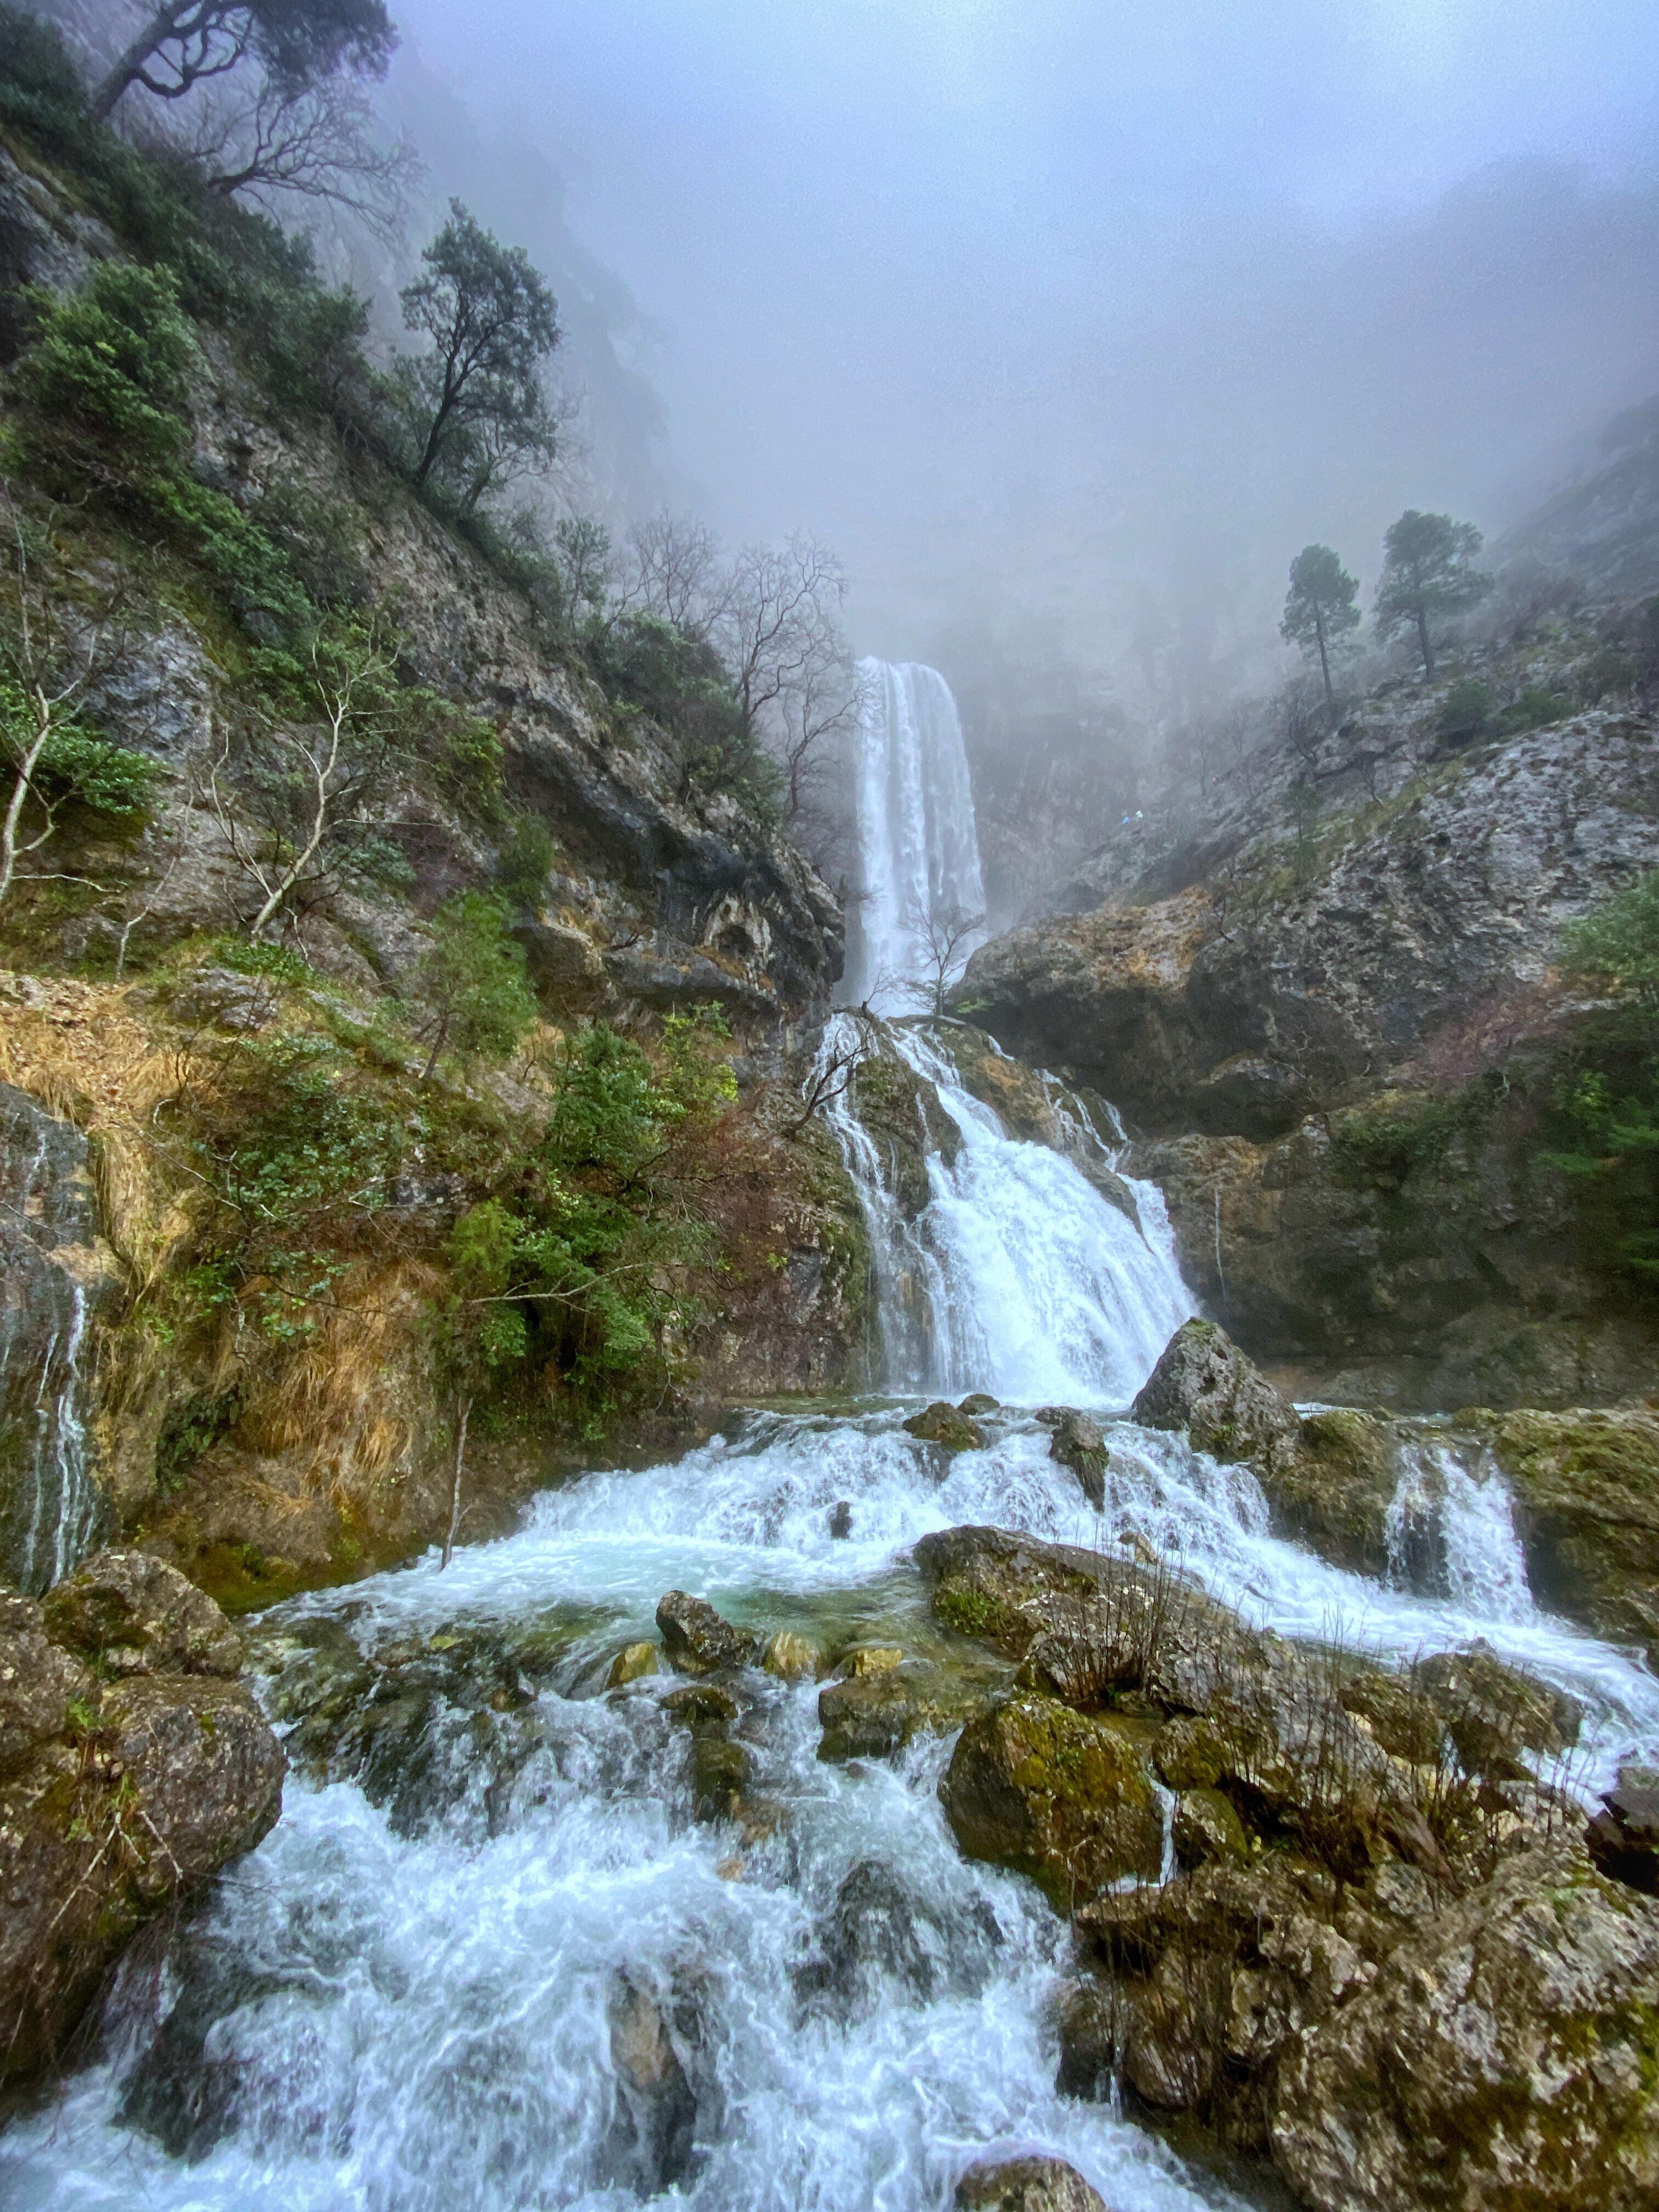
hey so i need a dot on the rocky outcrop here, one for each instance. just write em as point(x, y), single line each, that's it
point(1504, 2053)
point(116, 1796)
point(1204, 1384)
point(1623, 1837)
point(900, 1113)
point(1079, 1442)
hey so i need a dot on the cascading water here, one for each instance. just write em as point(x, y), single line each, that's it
point(918, 867)
point(491, 1959)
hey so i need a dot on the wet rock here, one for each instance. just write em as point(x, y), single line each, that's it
point(1059, 1796)
point(696, 1640)
point(869, 1659)
point(1505, 2054)
point(1089, 2024)
point(703, 1706)
point(140, 1617)
point(174, 1776)
point(1001, 1585)
point(841, 1520)
point(1623, 1837)
point(1203, 1383)
point(37, 1683)
point(631, 1664)
point(1405, 1724)
point(660, 2103)
point(941, 1424)
point(875, 1933)
point(1334, 1491)
point(977, 1402)
point(901, 1112)
point(1494, 1712)
point(1079, 1444)
point(719, 1775)
point(1204, 1827)
point(1026, 2184)
point(790, 1657)
point(875, 1714)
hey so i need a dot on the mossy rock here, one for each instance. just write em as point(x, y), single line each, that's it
point(1060, 1795)
point(943, 1425)
point(1331, 1492)
point(1588, 1485)
point(901, 1115)
point(873, 1714)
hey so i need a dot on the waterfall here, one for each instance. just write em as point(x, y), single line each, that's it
point(918, 871)
point(1019, 1277)
point(51, 1507)
point(1450, 1530)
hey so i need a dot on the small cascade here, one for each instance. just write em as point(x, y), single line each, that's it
point(1451, 1533)
point(1021, 1277)
point(918, 866)
point(51, 1507)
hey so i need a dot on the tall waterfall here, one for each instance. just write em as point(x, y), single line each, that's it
point(918, 847)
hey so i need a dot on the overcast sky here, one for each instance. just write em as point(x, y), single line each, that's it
point(1097, 310)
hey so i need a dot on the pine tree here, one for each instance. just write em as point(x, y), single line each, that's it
point(1428, 574)
point(1320, 608)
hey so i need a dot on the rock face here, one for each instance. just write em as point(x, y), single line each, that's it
point(55, 1275)
point(1204, 1384)
point(1026, 2184)
point(116, 1798)
point(1504, 2055)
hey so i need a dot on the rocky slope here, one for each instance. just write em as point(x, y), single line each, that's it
point(1333, 1013)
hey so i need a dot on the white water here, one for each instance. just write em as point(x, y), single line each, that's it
point(1463, 1519)
point(919, 868)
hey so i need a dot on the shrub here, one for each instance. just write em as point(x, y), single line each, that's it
point(526, 857)
point(1466, 714)
point(474, 979)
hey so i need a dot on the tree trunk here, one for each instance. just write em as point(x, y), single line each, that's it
point(159, 27)
point(1423, 640)
point(1324, 663)
point(455, 1484)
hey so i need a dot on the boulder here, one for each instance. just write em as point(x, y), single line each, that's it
point(841, 1520)
point(1079, 1444)
point(1504, 2054)
point(37, 1683)
point(790, 1657)
point(660, 2105)
point(881, 1938)
point(720, 1771)
point(1334, 1491)
point(1062, 1796)
point(155, 1786)
point(977, 1402)
point(1026, 2184)
point(631, 1664)
point(1204, 1825)
point(874, 1714)
point(1623, 1837)
point(942, 1423)
point(696, 1640)
point(140, 1617)
point(704, 1707)
point(1203, 1383)
point(1494, 1712)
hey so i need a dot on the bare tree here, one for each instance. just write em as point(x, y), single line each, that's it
point(49, 659)
point(184, 43)
point(673, 572)
point(944, 938)
point(308, 142)
point(304, 804)
point(829, 1076)
point(778, 619)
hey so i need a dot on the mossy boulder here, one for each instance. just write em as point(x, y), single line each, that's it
point(1078, 1443)
point(1026, 2184)
point(1060, 1795)
point(1332, 1491)
point(900, 1113)
point(873, 1713)
point(946, 1426)
point(1587, 1486)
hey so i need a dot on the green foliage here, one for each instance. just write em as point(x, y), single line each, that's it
point(476, 412)
point(1428, 575)
point(1533, 708)
point(294, 1147)
point(246, 956)
point(1320, 607)
point(1617, 948)
point(648, 664)
point(295, 44)
point(474, 979)
point(1402, 1133)
point(470, 760)
point(527, 856)
point(75, 764)
point(1466, 713)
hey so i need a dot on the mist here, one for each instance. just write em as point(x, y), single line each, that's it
point(1078, 317)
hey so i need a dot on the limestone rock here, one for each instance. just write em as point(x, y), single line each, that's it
point(977, 1402)
point(1623, 1837)
point(1203, 1383)
point(1204, 1827)
point(1334, 1491)
point(657, 2094)
point(790, 1657)
point(1026, 2184)
point(869, 1659)
point(1587, 1483)
point(37, 1682)
point(696, 1640)
point(704, 1707)
point(873, 1714)
point(942, 1423)
point(1079, 1444)
point(719, 1775)
point(1504, 2054)
point(1059, 1796)
point(140, 1617)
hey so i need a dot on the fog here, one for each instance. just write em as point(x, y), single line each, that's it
point(1088, 314)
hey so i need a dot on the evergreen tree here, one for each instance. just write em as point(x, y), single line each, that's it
point(1428, 574)
point(474, 979)
point(477, 406)
point(1320, 608)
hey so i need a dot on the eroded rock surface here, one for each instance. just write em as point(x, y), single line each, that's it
point(1204, 1384)
point(696, 1640)
point(1026, 2184)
